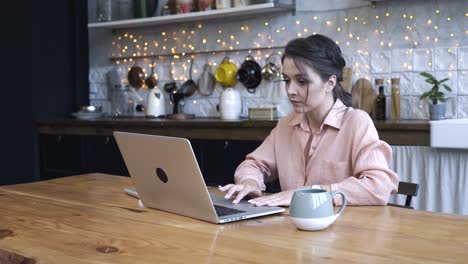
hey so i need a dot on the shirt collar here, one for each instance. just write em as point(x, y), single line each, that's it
point(334, 117)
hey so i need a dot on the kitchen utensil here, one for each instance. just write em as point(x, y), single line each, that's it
point(230, 104)
point(189, 87)
point(151, 81)
point(156, 105)
point(171, 86)
point(136, 76)
point(226, 73)
point(207, 81)
point(272, 69)
point(363, 96)
point(175, 99)
point(249, 74)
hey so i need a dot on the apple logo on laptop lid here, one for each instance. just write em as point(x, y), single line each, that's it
point(162, 175)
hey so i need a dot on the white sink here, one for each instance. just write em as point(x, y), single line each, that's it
point(449, 133)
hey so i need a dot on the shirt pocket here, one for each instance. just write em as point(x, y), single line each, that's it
point(334, 171)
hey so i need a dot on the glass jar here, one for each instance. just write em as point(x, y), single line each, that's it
point(122, 101)
point(395, 111)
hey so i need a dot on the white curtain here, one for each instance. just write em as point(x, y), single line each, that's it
point(441, 175)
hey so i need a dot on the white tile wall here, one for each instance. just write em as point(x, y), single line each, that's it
point(423, 60)
point(384, 47)
point(463, 82)
point(402, 60)
point(463, 58)
point(462, 106)
point(381, 62)
point(445, 58)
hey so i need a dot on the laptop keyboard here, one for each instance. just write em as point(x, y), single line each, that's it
point(223, 210)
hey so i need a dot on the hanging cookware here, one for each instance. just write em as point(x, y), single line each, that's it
point(136, 76)
point(249, 74)
point(226, 73)
point(171, 86)
point(272, 69)
point(151, 81)
point(189, 87)
point(207, 81)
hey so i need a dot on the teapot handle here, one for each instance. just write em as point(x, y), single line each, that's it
point(343, 204)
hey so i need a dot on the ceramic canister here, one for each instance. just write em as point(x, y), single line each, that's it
point(230, 104)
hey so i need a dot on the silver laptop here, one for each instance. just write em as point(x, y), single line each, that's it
point(167, 177)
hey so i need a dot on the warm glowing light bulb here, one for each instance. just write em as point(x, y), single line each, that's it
point(436, 27)
point(266, 23)
point(356, 18)
point(376, 17)
point(328, 22)
point(242, 28)
point(163, 33)
point(404, 15)
point(346, 19)
point(315, 17)
point(437, 11)
point(298, 22)
point(387, 14)
point(449, 19)
point(338, 29)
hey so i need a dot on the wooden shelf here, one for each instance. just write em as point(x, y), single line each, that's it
point(195, 16)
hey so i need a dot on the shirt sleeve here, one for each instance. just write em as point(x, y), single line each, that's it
point(259, 165)
point(372, 181)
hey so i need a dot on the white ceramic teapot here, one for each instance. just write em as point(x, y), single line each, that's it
point(230, 104)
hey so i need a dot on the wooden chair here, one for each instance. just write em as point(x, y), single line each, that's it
point(410, 190)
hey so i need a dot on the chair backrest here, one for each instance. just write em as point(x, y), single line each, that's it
point(410, 190)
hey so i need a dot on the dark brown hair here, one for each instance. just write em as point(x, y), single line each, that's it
point(324, 56)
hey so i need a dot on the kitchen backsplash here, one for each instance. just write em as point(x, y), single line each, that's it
point(391, 39)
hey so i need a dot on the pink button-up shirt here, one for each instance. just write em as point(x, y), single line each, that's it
point(346, 153)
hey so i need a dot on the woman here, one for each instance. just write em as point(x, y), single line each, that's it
point(322, 142)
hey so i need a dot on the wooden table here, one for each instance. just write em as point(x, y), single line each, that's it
point(89, 219)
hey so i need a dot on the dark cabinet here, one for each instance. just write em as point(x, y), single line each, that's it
point(64, 155)
point(60, 156)
point(102, 155)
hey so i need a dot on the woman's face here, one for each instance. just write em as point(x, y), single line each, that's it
point(296, 87)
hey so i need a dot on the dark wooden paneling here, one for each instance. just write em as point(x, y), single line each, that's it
point(392, 132)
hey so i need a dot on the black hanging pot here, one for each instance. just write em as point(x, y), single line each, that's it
point(250, 74)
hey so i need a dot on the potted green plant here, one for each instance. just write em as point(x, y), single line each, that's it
point(437, 106)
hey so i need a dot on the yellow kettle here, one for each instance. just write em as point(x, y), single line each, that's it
point(226, 73)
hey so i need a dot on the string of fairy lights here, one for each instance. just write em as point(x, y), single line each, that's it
point(180, 46)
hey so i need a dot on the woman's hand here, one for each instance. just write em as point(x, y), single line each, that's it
point(277, 199)
point(246, 187)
